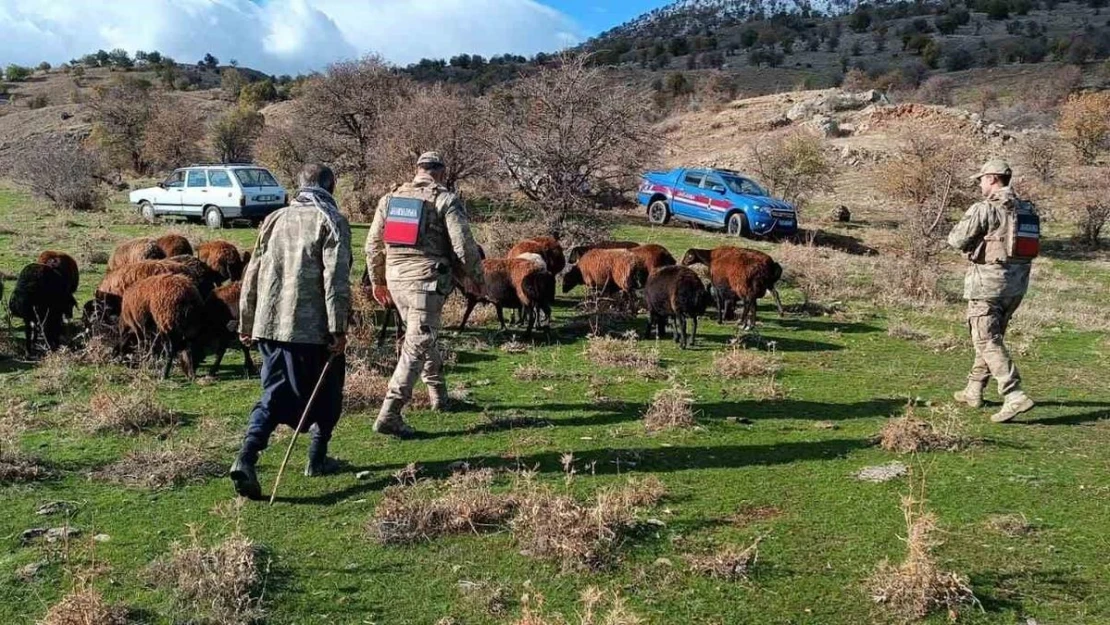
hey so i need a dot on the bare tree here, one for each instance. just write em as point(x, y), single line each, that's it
point(344, 107)
point(436, 118)
point(173, 135)
point(63, 173)
point(285, 148)
point(793, 166)
point(568, 137)
point(234, 134)
point(121, 110)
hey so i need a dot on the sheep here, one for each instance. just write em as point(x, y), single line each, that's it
point(42, 298)
point(223, 257)
point(174, 245)
point(221, 310)
point(168, 311)
point(245, 255)
point(390, 313)
point(548, 248)
point(534, 258)
point(577, 252)
point(101, 311)
point(514, 283)
point(675, 292)
point(608, 271)
point(65, 264)
point(738, 273)
point(133, 251)
point(654, 256)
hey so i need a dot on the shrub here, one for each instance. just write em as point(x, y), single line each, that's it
point(234, 134)
point(670, 408)
point(120, 112)
point(1085, 123)
point(909, 433)
point(127, 412)
point(1087, 206)
point(736, 362)
point(257, 94)
point(64, 174)
point(44, 66)
point(729, 564)
point(162, 468)
point(38, 102)
point(1041, 154)
point(17, 73)
point(84, 606)
point(936, 90)
point(285, 149)
point(621, 352)
point(219, 584)
point(173, 136)
point(424, 510)
point(793, 166)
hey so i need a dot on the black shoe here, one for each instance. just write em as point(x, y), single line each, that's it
point(245, 479)
point(318, 461)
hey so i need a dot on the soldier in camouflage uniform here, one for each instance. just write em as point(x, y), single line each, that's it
point(994, 287)
point(419, 240)
point(294, 303)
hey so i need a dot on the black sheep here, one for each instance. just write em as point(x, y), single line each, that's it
point(42, 298)
point(677, 293)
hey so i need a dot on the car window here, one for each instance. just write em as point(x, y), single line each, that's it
point(218, 178)
point(713, 183)
point(693, 178)
point(743, 185)
point(176, 180)
point(197, 178)
point(255, 178)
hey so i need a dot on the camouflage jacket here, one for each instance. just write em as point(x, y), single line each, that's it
point(296, 288)
point(446, 244)
point(988, 280)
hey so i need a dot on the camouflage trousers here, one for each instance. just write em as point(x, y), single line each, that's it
point(988, 320)
point(420, 355)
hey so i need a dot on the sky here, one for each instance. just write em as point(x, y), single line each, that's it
point(294, 36)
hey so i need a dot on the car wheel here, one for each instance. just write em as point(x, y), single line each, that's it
point(146, 210)
point(658, 212)
point(213, 218)
point(737, 225)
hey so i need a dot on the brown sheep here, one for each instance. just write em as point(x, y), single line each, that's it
point(174, 245)
point(608, 271)
point(678, 293)
point(167, 313)
point(514, 283)
point(654, 256)
point(547, 247)
point(133, 251)
point(221, 309)
point(65, 264)
point(101, 311)
point(577, 252)
point(738, 274)
point(223, 257)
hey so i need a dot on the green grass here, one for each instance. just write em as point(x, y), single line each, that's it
point(830, 532)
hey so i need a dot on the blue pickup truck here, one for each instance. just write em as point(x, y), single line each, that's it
point(717, 198)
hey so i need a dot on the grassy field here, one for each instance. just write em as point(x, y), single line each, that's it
point(772, 458)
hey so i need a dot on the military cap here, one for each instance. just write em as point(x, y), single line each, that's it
point(431, 159)
point(995, 166)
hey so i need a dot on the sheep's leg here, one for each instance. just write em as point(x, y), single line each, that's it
point(248, 362)
point(531, 322)
point(650, 324)
point(501, 317)
point(470, 304)
point(720, 305)
point(171, 355)
point(694, 336)
point(385, 326)
point(778, 301)
point(221, 349)
point(187, 364)
point(29, 337)
point(681, 321)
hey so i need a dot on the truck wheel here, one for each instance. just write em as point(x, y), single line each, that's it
point(213, 218)
point(737, 225)
point(146, 210)
point(659, 213)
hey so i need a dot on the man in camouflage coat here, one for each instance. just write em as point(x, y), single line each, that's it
point(295, 299)
point(419, 240)
point(994, 287)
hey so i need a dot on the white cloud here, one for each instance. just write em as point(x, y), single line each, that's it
point(280, 36)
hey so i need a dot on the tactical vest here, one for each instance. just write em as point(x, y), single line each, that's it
point(1017, 239)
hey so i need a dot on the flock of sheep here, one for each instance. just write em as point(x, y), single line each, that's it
point(161, 295)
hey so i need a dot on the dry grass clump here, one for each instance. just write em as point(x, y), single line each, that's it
point(909, 433)
point(917, 587)
point(580, 535)
point(596, 610)
point(532, 372)
point(670, 408)
point(365, 389)
point(127, 412)
point(1012, 525)
point(15, 466)
point(84, 606)
point(161, 468)
point(513, 346)
point(455, 307)
point(220, 584)
point(54, 373)
point(423, 510)
point(730, 564)
point(906, 332)
point(736, 362)
point(607, 351)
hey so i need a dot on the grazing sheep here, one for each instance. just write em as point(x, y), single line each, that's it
point(548, 248)
point(133, 251)
point(174, 245)
point(738, 274)
point(514, 283)
point(223, 258)
point(608, 271)
point(166, 312)
point(101, 312)
point(65, 264)
point(654, 256)
point(42, 298)
point(678, 293)
point(221, 310)
point(577, 252)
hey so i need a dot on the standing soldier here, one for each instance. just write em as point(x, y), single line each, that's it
point(295, 300)
point(1000, 236)
point(419, 239)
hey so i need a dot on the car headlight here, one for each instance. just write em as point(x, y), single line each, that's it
point(763, 210)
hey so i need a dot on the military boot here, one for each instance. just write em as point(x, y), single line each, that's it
point(244, 477)
point(972, 395)
point(438, 398)
point(318, 461)
point(390, 423)
point(1016, 403)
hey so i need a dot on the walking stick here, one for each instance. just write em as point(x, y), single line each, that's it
point(300, 424)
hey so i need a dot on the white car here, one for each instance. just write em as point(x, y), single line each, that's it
point(215, 194)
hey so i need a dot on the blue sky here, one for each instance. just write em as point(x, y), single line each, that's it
point(293, 36)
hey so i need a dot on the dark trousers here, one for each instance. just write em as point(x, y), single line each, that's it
point(289, 373)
